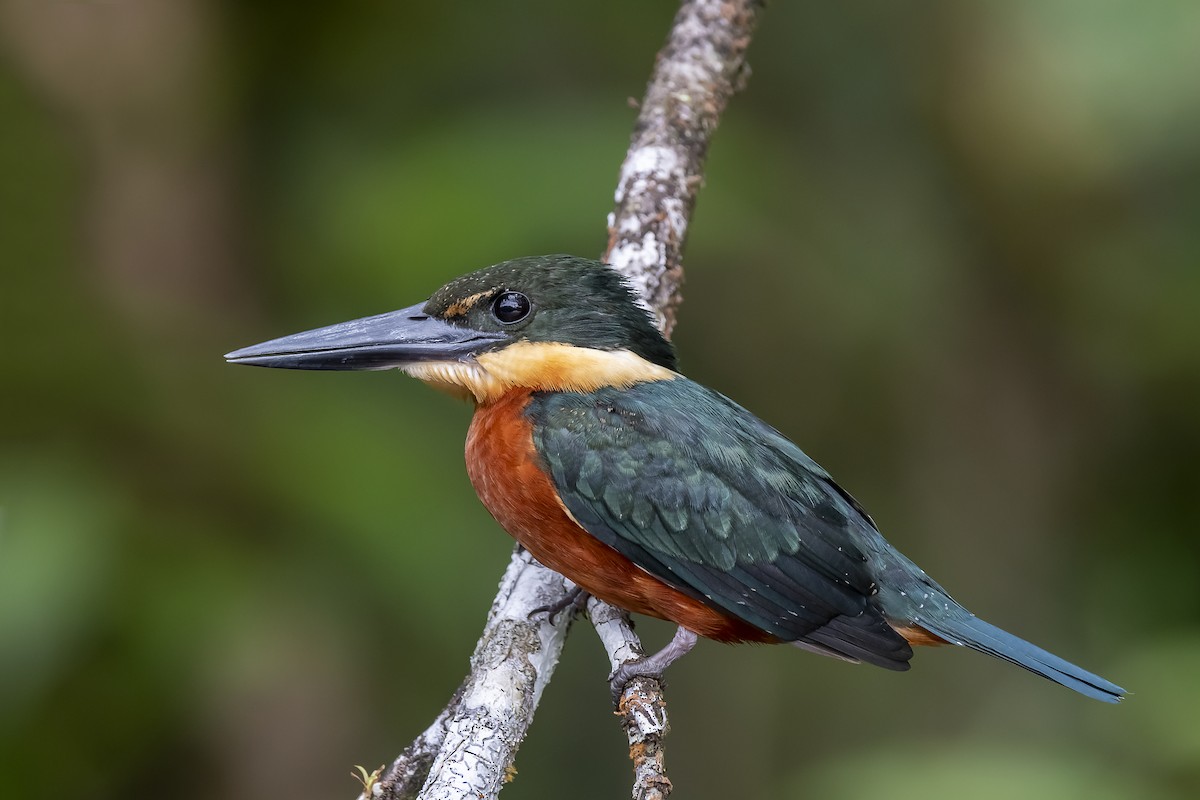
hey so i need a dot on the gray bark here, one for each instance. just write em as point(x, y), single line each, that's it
point(702, 65)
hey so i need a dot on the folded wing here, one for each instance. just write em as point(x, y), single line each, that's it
point(708, 498)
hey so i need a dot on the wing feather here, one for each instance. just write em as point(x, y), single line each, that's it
point(706, 497)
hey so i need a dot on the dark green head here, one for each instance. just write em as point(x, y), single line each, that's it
point(558, 298)
point(538, 300)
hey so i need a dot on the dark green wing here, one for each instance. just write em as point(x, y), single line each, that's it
point(703, 495)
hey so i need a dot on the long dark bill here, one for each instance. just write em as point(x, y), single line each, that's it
point(384, 341)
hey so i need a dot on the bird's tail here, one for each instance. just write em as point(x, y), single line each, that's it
point(966, 629)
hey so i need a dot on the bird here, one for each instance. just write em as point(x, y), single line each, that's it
point(649, 490)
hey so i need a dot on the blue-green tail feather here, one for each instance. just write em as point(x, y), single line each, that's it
point(970, 631)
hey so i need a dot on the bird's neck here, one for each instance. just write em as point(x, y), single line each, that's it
point(538, 367)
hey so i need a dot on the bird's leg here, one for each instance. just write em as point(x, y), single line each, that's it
point(652, 666)
point(574, 601)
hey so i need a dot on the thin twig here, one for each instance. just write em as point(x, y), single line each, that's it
point(642, 708)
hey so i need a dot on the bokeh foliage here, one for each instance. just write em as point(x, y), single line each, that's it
point(951, 248)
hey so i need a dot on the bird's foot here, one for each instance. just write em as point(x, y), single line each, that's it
point(573, 601)
point(651, 666)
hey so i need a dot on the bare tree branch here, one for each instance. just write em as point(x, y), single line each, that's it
point(642, 708)
point(469, 749)
point(407, 774)
point(701, 66)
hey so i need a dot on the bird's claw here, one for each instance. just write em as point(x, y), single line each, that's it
point(620, 677)
point(651, 666)
point(573, 601)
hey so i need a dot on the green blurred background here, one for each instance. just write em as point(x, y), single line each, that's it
point(952, 249)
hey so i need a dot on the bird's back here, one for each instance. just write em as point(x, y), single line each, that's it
point(701, 494)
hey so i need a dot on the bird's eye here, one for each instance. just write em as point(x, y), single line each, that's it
point(510, 307)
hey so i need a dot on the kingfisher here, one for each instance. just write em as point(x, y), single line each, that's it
point(646, 489)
